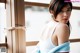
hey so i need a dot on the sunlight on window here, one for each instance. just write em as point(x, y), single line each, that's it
point(35, 18)
point(2, 22)
point(76, 3)
point(75, 28)
point(74, 47)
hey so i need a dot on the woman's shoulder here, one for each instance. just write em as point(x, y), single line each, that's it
point(62, 32)
point(62, 26)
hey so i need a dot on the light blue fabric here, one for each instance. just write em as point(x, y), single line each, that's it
point(61, 48)
point(65, 47)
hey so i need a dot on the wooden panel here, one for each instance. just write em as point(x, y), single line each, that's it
point(20, 21)
point(15, 18)
point(36, 4)
point(2, 1)
point(9, 24)
point(75, 7)
point(3, 45)
point(44, 5)
point(33, 43)
point(74, 40)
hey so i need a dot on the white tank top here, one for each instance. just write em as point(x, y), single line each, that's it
point(46, 45)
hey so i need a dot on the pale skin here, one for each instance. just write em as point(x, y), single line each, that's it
point(62, 31)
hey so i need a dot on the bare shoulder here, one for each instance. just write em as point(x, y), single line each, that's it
point(63, 26)
point(62, 32)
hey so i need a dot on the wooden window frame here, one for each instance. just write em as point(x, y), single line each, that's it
point(15, 18)
point(45, 5)
point(2, 1)
point(33, 43)
point(38, 4)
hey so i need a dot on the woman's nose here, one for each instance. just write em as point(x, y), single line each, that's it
point(65, 14)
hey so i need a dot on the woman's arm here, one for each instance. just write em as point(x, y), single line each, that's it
point(63, 33)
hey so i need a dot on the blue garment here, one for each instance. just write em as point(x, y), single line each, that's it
point(65, 47)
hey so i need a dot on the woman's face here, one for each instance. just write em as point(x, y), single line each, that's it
point(64, 15)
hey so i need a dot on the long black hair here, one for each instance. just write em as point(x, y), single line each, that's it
point(57, 5)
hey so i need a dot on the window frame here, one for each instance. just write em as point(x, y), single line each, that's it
point(2, 1)
point(15, 38)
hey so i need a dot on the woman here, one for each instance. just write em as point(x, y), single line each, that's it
point(55, 36)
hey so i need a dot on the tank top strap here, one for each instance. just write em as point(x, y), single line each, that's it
point(53, 29)
point(51, 33)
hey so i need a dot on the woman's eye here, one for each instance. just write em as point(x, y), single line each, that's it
point(69, 10)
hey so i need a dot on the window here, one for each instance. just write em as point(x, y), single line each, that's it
point(2, 26)
point(74, 47)
point(75, 24)
point(2, 22)
point(35, 18)
point(76, 3)
point(39, 1)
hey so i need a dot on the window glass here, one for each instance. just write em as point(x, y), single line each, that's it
point(3, 50)
point(75, 24)
point(39, 1)
point(2, 26)
point(76, 3)
point(74, 47)
point(2, 22)
point(35, 18)
point(30, 49)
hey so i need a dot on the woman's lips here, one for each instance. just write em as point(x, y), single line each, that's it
point(65, 19)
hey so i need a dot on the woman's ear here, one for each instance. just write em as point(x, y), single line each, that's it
point(51, 12)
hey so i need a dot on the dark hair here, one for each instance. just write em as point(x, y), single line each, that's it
point(57, 5)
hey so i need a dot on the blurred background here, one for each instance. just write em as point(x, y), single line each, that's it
point(35, 18)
